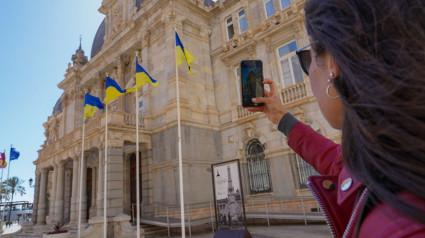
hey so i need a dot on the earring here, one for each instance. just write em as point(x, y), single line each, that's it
point(331, 76)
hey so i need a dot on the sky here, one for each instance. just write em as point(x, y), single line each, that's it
point(37, 41)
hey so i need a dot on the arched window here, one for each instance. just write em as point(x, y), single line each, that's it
point(258, 168)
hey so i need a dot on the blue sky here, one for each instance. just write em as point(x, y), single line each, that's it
point(38, 39)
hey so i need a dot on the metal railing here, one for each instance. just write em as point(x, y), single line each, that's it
point(303, 208)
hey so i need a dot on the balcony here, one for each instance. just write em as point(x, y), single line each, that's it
point(243, 113)
point(294, 93)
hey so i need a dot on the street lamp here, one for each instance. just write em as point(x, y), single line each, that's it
point(30, 181)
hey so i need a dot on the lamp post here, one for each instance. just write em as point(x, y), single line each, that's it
point(30, 181)
point(31, 186)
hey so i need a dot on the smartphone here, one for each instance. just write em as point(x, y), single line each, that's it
point(252, 82)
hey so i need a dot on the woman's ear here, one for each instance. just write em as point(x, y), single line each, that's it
point(332, 66)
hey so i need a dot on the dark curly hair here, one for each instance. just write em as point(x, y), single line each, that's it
point(379, 47)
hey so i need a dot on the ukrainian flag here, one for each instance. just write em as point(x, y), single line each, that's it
point(183, 55)
point(113, 90)
point(142, 77)
point(91, 105)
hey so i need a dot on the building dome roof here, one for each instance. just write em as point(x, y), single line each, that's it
point(58, 107)
point(208, 2)
point(98, 39)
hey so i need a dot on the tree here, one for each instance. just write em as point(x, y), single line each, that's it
point(13, 186)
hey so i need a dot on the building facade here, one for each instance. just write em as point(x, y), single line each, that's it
point(215, 127)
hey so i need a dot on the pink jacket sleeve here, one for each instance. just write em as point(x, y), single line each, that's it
point(323, 154)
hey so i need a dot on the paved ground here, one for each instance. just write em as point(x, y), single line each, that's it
point(12, 229)
point(280, 231)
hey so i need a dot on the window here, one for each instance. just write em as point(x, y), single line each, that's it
point(289, 65)
point(140, 107)
point(285, 3)
point(238, 84)
point(242, 22)
point(269, 8)
point(229, 28)
point(258, 168)
point(304, 171)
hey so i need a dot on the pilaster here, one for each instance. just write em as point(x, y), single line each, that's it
point(52, 199)
point(41, 216)
point(75, 176)
point(100, 181)
point(60, 189)
point(115, 181)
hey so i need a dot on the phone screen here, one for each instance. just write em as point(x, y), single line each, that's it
point(252, 82)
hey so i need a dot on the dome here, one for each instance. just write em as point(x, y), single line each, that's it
point(58, 107)
point(208, 3)
point(98, 39)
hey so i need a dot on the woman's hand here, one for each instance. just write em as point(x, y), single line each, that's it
point(272, 107)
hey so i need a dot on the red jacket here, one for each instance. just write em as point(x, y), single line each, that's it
point(341, 197)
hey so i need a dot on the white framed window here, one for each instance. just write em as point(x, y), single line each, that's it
point(242, 21)
point(284, 4)
point(291, 72)
point(229, 28)
point(238, 83)
point(269, 8)
point(141, 107)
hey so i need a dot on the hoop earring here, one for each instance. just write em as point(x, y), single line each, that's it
point(331, 75)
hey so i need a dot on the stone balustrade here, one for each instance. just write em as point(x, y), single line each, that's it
point(242, 112)
point(294, 93)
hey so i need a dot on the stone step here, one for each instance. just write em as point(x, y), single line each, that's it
point(154, 231)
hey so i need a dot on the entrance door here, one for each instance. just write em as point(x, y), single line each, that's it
point(89, 190)
point(133, 180)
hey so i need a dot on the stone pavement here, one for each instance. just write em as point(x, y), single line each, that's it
point(279, 231)
point(12, 229)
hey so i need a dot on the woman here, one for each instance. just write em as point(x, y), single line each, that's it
point(366, 63)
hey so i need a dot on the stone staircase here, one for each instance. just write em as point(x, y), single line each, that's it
point(151, 231)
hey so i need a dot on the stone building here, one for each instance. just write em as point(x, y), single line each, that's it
point(215, 128)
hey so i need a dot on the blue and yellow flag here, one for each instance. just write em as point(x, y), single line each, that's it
point(113, 90)
point(142, 77)
point(183, 54)
point(91, 105)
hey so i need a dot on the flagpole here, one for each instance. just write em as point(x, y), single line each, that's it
point(81, 180)
point(179, 144)
point(105, 171)
point(137, 162)
point(1, 201)
point(7, 181)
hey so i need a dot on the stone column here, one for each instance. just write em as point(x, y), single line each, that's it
point(99, 192)
point(67, 195)
point(52, 199)
point(75, 178)
point(60, 189)
point(36, 195)
point(121, 82)
point(115, 181)
point(84, 192)
point(41, 216)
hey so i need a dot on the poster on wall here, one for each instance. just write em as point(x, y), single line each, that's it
point(228, 195)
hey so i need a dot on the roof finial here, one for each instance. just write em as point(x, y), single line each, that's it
point(80, 40)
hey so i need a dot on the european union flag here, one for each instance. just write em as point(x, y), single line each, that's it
point(91, 105)
point(14, 154)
